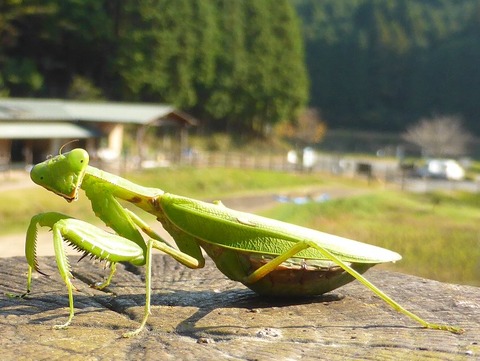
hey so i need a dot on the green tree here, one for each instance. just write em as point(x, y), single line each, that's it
point(17, 73)
point(239, 65)
point(48, 42)
point(166, 52)
point(224, 104)
point(82, 89)
point(276, 76)
point(260, 66)
point(381, 64)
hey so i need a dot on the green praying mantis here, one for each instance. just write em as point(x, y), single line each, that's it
point(268, 256)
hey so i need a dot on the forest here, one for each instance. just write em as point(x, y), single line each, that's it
point(383, 64)
point(243, 66)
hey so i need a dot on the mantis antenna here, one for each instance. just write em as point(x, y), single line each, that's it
point(67, 143)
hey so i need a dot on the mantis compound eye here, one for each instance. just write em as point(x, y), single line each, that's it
point(77, 158)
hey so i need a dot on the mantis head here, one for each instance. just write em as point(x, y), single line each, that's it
point(62, 174)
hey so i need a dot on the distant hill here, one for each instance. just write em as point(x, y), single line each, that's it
point(383, 64)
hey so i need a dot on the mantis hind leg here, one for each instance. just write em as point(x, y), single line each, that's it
point(273, 264)
point(148, 290)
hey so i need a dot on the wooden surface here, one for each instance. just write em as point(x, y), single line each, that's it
point(200, 315)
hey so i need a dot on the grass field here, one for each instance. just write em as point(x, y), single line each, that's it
point(437, 234)
point(18, 206)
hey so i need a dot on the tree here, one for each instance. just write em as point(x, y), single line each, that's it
point(379, 64)
point(236, 64)
point(44, 44)
point(439, 136)
point(17, 72)
point(83, 89)
point(308, 130)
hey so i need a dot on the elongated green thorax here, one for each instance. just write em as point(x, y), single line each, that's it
point(107, 183)
point(62, 174)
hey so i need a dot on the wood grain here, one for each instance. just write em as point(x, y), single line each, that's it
point(201, 315)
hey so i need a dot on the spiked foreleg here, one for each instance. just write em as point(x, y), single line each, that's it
point(85, 237)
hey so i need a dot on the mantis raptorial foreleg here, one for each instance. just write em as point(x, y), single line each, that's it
point(85, 237)
point(245, 247)
point(102, 245)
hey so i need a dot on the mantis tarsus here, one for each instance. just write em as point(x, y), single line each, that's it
point(268, 256)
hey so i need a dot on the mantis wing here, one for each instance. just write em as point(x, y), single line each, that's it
point(216, 224)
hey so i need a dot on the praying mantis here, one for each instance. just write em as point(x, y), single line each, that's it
point(268, 256)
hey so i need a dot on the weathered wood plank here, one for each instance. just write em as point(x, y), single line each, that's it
point(201, 315)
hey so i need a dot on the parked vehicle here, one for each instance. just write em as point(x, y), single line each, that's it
point(442, 169)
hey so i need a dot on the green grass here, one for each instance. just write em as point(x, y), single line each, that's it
point(437, 234)
point(17, 207)
point(215, 182)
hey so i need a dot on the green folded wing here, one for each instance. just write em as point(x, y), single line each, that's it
point(214, 223)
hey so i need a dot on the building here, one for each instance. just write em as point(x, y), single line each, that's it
point(31, 129)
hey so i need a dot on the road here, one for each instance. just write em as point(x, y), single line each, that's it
point(419, 185)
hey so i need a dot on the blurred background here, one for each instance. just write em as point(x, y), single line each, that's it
point(354, 117)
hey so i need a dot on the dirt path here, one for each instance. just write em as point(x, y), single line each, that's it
point(14, 245)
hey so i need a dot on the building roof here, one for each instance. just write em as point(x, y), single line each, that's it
point(24, 109)
point(30, 109)
point(117, 112)
point(44, 130)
